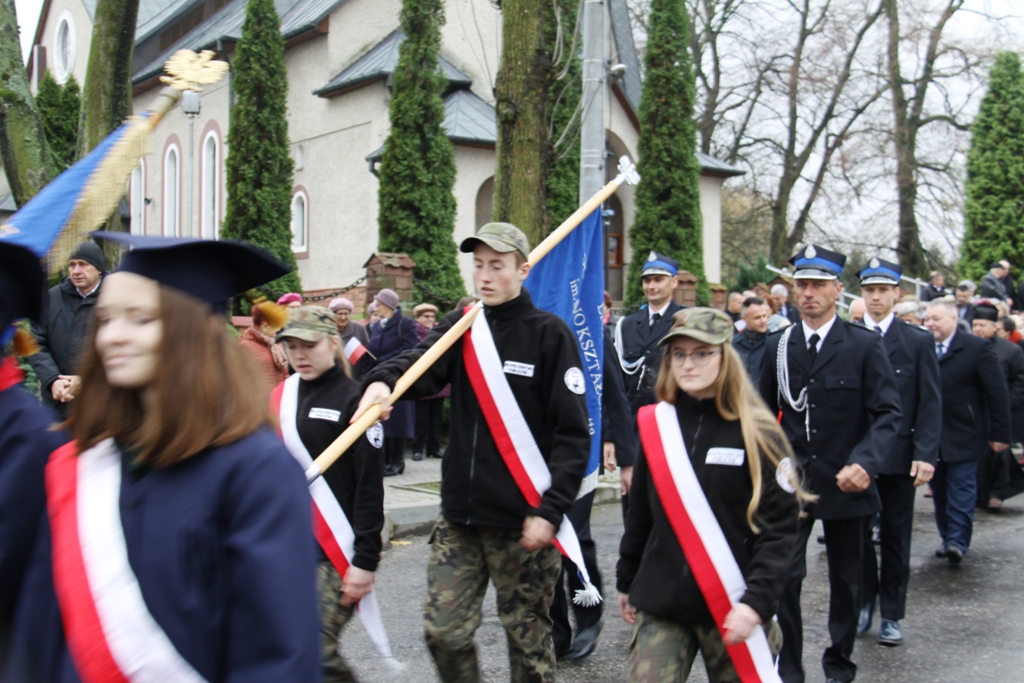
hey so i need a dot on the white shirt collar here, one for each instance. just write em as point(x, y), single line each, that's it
point(661, 311)
point(949, 340)
point(870, 323)
point(91, 290)
point(822, 331)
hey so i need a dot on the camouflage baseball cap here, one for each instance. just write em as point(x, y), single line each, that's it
point(708, 325)
point(308, 323)
point(501, 237)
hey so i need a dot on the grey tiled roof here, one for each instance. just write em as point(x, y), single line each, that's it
point(380, 62)
point(467, 119)
point(710, 164)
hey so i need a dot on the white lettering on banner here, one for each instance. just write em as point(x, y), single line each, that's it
point(324, 414)
point(521, 369)
point(725, 456)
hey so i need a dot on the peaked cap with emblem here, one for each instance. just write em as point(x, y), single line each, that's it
point(880, 272)
point(659, 264)
point(708, 325)
point(817, 263)
point(308, 323)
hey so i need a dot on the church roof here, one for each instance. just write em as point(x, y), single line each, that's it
point(380, 62)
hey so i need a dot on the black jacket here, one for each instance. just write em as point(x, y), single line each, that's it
point(64, 322)
point(791, 313)
point(854, 411)
point(617, 423)
point(930, 292)
point(476, 486)
point(975, 401)
point(1011, 360)
point(966, 313)
point(639, 340)
point(751, 350)
point(652, 567)
point(914, 365)
point(357, 478)
point(992, 287)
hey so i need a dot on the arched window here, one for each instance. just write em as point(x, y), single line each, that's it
point(64, 43)
point(137, 199)
point(172, 192)
point(300, 222)
point(210, 210)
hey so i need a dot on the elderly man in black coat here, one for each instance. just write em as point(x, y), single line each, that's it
point(975, 417)
point(840, 409)
point(994, 467)
point(910, 461)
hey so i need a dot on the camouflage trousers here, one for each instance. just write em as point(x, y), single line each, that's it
point(462, 559)
point(333, 617)
point(663, 651)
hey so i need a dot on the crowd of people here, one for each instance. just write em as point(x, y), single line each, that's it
point(164, 529)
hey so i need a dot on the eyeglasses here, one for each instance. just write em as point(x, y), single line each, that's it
point(699, 358)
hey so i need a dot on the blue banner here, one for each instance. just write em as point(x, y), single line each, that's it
point(569, 282)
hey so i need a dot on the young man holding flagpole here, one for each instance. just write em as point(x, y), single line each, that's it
point(518, 451)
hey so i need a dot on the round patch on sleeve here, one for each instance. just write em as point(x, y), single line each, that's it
point(375, 435)
point(574, 381)
point(785, 475)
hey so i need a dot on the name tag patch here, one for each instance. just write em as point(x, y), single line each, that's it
point(325, 414)
point(725, 456)
point(522, 369)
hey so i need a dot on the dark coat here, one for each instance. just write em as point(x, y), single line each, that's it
point(914, 365)
point(652, 568)
point(222, 548)
point(477, 488)
point(386, 342)
point(790, 312)
point(26, 442)
point(991, 287)
point(854, 411)
point(975, 400)
point(930, 292)
point(1009, 286)
point(751, 350)
point(1011, 360)
point(640, 340)
point(617, 423)
point(64, 323)
point(966, 313)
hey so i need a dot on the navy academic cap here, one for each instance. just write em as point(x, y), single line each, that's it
point(21, 286)
point(211, 271)
point(659, 264)
point(880, 272)
point(817, 263)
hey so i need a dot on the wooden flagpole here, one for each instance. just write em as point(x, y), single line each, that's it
point(627, 174)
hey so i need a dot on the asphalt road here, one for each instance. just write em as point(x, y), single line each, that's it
point(963, 624)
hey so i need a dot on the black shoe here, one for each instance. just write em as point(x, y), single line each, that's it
point(584, 642)
point(416, 457)
point(941, 550)
point(821, 539)
point(867, 613)
point(390, 471)
point(954, 554)
point(435, 455)
point(561, 651)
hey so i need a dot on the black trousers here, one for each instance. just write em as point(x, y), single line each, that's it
point(896, 522)
point(561, 630)
point(428, 426)
point(993, 475)
point(844, 546)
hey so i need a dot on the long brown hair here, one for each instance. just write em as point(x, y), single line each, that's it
point(737, 399)
point(205, 392)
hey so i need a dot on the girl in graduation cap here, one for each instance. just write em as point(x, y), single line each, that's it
point(177, 546)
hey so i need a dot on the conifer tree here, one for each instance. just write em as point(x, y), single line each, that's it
point(668, 216)
point(417, 171)
point(59, 108)
point(259, 167)
point(563, 182)
point(994, 214)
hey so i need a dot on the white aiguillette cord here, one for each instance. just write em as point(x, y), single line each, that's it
point(799, 404)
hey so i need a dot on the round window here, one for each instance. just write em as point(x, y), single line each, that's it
point(64, 47)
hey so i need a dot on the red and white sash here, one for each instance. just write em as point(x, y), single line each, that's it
point(701, 538)
point(515, 441)
point(330, 525)
point(354, 350)
point(111, 635)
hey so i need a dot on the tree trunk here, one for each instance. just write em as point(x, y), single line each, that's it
point(107, 94)
point(522, 96)
point(27, 160)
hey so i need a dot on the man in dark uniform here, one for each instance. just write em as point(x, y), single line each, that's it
point(840, 411)
point(910, 461)
point(636, 345)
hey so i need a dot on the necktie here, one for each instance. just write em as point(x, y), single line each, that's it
point(655, 318)
point(879, 331)
point(938, 350)
point(812, 347)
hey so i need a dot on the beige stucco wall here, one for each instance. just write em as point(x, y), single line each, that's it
point(82, 24)
point(711, 214)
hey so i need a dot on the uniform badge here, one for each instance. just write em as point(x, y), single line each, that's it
point(375, 435)
point(574, 381)
point(652, 257)
point(810, 251)
point(874, 263)
point(784, 475)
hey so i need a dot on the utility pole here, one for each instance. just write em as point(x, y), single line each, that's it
point(592, 135)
